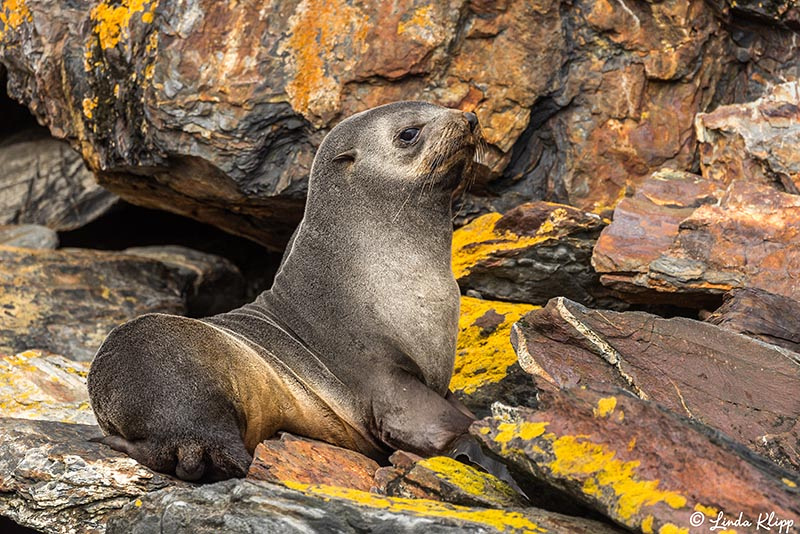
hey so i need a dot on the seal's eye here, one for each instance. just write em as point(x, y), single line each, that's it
point(408, 135)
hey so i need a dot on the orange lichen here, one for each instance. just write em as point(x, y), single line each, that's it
point(318, 28)
point(12, 14)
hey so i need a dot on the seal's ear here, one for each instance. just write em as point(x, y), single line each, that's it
point(348, 156)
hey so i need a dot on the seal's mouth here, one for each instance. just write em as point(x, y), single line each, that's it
point(453, 158)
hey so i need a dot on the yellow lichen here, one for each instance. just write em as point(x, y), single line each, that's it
point(605, 406)
point(669, 528)
point(421, 18)
point(522, 430)
point(478, 240)
point(111, 21)
point(708, 511)
point(501, 520)
point(576, 457)
point(484, 357)
point(466, 478)
point(89, 105)
point(647, 524)
point(12, 14)
point(789, 483)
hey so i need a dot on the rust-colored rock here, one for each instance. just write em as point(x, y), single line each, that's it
point(214, 110)
point(720, 378)
point(639, 464)
point(486, 368)
point(749, 236)
point(534, 252)
point(756, 141)
point(66, 301)
point(762, 315)
point(297, 460)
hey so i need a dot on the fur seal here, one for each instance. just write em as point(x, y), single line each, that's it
point(354, 344)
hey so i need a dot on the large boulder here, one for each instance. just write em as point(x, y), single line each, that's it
point(214, 110)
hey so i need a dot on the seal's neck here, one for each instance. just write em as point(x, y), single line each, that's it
point(375, 277)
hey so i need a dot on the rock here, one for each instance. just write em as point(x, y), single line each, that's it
point(725, 380)
point(28, 236)
point(754, 141)
point(743, 235)
point(53, 479)
point(66, 301)
point(534, 252)
point(305, 461)
point(638, 464)
point(762, 315)
point(45, 182)
point(49, 387)
point(244, 506)
point(486, 368)
point(210, 284)
point(444, 479)
point(575, 104)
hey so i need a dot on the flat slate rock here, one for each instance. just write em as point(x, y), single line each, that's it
point(639, 464)
point(762, 315)
point(306, 461)
point(44, 181)
point(246, 506)
point(28, 236)
point(726, 380)
point(66, 301)
point(53, 479)
point(486, 368)
point(532, 253)
point(41, 386)
point(741, 235)
point(442, 478)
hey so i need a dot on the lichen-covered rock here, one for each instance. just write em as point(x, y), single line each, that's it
point(214, 110)
point(44, 181)
point(66, 301)
point(743, 235)
point(36, 385)
point(210, 284)
point(298, 460)
point(486, 368)
point(444, 479)
point(638, 464)
point(53, 479)
point(720, 378)
point(28, 236)
point(762, 315)
point(244, 506)
point(755, 141)
point(532, 253)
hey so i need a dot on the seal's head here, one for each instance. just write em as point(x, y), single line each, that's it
point(412, 145)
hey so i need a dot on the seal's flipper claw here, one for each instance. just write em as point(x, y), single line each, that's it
point(467, 448)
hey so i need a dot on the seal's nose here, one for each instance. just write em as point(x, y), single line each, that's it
point(472, 119)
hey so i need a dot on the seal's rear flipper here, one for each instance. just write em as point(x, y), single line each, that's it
point(467, 448)
point(190, 460)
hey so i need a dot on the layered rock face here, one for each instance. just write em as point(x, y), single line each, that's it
point(214, 110)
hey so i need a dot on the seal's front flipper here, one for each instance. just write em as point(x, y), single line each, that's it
point(413, 417)
point(467, 450)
